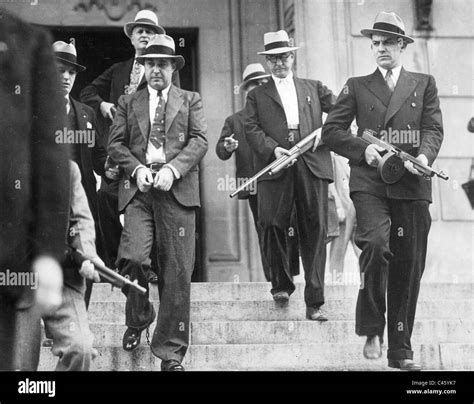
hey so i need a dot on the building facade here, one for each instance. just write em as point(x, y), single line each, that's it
point(220, 37)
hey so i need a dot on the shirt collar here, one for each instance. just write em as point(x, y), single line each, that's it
point(154, 93)
point(287, 79)
point(395, 72)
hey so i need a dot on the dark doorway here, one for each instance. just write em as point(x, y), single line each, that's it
point(100, 47)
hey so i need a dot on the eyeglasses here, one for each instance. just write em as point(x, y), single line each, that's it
point(283, 57)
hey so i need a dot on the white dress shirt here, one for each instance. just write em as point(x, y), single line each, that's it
point(287, 91)
point(154, 155)
point(395, 73)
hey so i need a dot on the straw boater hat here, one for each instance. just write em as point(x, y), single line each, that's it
point(252, 72)
point(66, 53)
point(161, 46)
point(276, 43)
point(388, 24)
point(147, 18)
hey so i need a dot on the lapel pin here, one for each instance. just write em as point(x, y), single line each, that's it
point(308, 99)
point(413, 104)
point(415, 94)
point(371, 108)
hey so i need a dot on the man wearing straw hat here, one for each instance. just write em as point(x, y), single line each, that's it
point(102, 95)
point(158, 138)
point(278, 115)
point(393, 220)
point(232, 140)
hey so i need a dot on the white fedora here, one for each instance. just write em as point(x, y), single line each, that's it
point(66, 52)
point(276, 43)
point(162, 47)
point(147, 18)
point(253, 71)
point(388, 24)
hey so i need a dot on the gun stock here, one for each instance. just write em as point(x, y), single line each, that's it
point(108, 274)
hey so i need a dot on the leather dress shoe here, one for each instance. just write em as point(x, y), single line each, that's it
point(315, 314)
point(372, 347)
point(131, 338)
point(404, 364)
point(152, 278)
point(281, 298)
point(171, 366)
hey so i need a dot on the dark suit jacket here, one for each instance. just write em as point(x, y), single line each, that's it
point(266, 126)
point(244, 158)
point(91, 158)
point(414, 105)
point(34, 180)
point(185, 144)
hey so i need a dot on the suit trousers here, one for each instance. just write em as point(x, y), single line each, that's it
point(156, 218)
point(69, 329)
point(297, 187)
point(20, 337)
point(393, 236)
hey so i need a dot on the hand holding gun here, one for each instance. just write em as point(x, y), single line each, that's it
point(285, 160)
point(391, 166)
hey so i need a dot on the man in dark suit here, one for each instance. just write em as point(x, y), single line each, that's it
point(393, 220)
point(158, 139)
point(232, 139)
point(102, 95)
point(81, 131)
point(34, 185)
point(278, 115)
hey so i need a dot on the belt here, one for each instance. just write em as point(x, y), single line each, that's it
point(155, 166)
point(293, 127)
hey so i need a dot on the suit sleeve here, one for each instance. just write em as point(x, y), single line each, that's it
point(262, 144)
point(119, 139)
point(81, 215)
point(431, 123)
point(336, 133)
point(98, 151)
point(227, 130)
point(196, 147)
point(98, 91)
point(326, 97)
point(50, 167)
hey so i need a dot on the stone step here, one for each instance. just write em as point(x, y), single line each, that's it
point(340, 309)
point(286, 332)
point(257, 291)
point(273, 357)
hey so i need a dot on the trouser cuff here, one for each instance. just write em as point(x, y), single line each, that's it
point(400, 354)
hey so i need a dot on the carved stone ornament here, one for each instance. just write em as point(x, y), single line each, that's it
point(114, 9)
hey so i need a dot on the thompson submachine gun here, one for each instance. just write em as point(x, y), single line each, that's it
point(391, 167)
point(282, 162)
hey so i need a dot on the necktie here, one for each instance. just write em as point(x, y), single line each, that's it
point(67, 105)
point(134, 78)
point(157, 133)
point(389, 80)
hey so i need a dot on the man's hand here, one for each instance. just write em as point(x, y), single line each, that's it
point(50, 284)
point(409, 165)
point(164, 179)
point(88, 271)
point(230, 144)
point(372, 156)
point(108, 110)
point(280, 151)
point(144, 179)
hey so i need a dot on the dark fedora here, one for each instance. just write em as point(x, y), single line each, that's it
point(161, 47)
point(66, 53)
point(388, 24)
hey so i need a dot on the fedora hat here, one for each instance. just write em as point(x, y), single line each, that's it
point(388, 24)
point(252, 72)
point(276, 43)
point(161, 46)
point(147, 18)
point(66, 53)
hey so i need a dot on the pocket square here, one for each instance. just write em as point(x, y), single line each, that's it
point(88, 125)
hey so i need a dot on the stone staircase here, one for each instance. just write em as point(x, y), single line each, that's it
point(236, 326)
